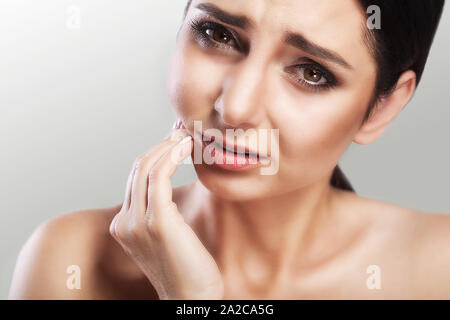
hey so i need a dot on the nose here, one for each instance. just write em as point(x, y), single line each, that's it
point(240, 103)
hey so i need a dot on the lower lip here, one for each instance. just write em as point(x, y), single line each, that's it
point(231, 161)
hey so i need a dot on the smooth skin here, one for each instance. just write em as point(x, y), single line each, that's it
point(149, 223)
point(242, 235)
point(137, 251)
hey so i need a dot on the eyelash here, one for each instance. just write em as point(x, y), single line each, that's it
point(331, 80)
point(200, 26)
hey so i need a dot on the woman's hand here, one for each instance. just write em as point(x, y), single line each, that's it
point(152, 231)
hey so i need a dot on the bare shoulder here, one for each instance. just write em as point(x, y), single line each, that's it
point(417, 245)
point(73, 256)
point(431, 259)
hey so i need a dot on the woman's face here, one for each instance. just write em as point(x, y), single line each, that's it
point(299, 66)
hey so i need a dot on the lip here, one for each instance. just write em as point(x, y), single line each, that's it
point(232, 147)
point(231, 159)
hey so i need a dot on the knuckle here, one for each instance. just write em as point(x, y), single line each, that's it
point(154, 174)
point(148, 213)
point(134, 232)
point(122, 232)
point(136, 162)
point(129, 233)
point(112, 226)
point(112, 230)
point(138, 165)
point(157, 223)
point(155, 228)
point(139, 162)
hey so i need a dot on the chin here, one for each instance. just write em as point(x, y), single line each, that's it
point(234, 186)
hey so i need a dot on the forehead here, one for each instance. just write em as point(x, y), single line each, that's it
point(334, 24)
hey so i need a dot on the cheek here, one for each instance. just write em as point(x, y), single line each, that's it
point(194, 80)
point(316, 128)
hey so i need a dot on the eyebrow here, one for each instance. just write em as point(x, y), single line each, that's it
point(299, 41)
point(234, 20)
point(296, 40)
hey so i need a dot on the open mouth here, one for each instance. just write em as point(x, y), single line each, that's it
point(238, 151)
point(233, 158)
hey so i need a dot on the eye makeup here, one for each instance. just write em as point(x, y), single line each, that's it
point(202, 32)
point(297, 73)
point(214, 35)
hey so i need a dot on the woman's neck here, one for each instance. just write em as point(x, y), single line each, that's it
point(267, 236)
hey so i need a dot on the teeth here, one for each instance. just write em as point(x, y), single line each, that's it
point(231, 151)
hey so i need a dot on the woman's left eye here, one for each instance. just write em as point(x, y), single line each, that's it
point(311, 76)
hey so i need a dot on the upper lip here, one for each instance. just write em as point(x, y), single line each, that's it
point(232, 147)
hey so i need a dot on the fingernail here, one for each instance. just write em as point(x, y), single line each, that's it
point(179, 123)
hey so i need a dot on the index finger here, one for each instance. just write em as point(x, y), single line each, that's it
point(160, 186)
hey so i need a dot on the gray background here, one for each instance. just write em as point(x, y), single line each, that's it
point(78, 105)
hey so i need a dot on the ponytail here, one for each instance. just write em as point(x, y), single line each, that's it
point(339, 180)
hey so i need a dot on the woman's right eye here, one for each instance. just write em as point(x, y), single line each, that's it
point(218, 35)
point(215, 35)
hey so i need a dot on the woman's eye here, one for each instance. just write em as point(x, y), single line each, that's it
point(214, 35)
point(312, 75)
point(219, 35)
